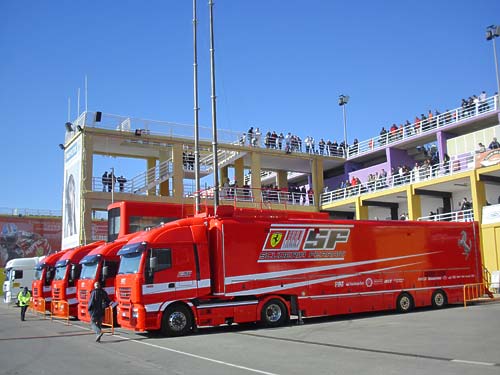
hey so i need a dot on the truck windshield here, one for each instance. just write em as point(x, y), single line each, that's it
point(60, 272)
point(129, 263)
point(7, 273)
point(89, 270)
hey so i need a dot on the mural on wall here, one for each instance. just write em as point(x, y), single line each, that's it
point(26, 237)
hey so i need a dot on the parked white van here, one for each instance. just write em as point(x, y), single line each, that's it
point(19, 273)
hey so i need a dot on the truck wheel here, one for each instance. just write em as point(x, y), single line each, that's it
point(404, 303)
point(274, 313)
point(439, 299)
point(176, 321)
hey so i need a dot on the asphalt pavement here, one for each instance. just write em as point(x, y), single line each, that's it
point(453, 340)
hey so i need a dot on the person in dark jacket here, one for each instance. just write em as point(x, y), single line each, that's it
point(98, 302)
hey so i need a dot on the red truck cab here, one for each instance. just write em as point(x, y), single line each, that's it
point(67, 272)
point(42, 283)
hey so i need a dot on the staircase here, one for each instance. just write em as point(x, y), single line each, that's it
point(149, 179)
point(224, 158)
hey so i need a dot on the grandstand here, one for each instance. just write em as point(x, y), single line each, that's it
point(421, 171)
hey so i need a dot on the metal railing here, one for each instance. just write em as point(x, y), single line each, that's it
point(459, 216)
point(265, 196)
point(29, 212)
point(423, 173)
point(143, 127)
point(416, 129)
point(476, 292)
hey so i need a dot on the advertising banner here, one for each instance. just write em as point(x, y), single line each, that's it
point(71, 195)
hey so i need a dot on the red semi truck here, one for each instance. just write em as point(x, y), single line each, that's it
point(64, 301)
point(42, 283)
point(209, 271)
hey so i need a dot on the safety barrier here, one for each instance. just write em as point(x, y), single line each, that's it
point(476, 292)
point(60, 310)
point(37, 306)
point(108, 320)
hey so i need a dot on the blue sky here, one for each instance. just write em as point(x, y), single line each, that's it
point(280, 65)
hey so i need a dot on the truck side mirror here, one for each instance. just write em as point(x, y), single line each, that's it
point(153, 263)
point(105, 272)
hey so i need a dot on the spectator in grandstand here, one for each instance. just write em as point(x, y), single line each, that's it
point(250, 135)
point(446, 163)
point(281, 137)
point(416, 126)
point(321, 145)
point(483, 105)
point(383, 136)
point(355, 145)
point(480, 148)
point(465, 204)
point(256, 138)
point(494, 144)
point(104, 180)
point(111, 181)
point(121, 181)
point(267, 139)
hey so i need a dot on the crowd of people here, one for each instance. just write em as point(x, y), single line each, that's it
point(433, 119)
point(110, 181)
point(423, 122)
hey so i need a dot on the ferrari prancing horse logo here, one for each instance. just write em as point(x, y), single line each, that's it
point(276, 239)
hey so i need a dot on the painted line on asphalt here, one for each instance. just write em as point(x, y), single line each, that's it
point(389, 352)
point(198, 356)
point(474, 362)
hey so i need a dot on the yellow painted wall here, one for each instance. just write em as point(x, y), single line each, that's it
point(490, 241)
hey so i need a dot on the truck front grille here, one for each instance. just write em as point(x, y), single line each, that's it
point(124, 292)
point(83, 295)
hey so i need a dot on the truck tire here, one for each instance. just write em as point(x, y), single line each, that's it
point(274, 313)
point(439, 299)
point(176, 321)
point(404, 303)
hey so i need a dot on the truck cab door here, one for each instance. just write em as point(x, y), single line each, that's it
point(160, 280)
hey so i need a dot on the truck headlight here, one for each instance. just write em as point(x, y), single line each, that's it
point(135, 312)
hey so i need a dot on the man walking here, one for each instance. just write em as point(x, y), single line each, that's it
point(98, 302)
point(23, 298)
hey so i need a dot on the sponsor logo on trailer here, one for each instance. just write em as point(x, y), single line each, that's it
point(303, 243)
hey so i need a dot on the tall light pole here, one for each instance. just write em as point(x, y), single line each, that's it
point(493, 32)
point(196, 111)
point(343, 100)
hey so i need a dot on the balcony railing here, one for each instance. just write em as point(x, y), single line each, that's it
point(461, 216)
point(425, 126)
point(229, 195)
point(423, 173)
point(29, 212)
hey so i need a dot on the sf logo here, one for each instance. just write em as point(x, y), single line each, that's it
point(325, 239)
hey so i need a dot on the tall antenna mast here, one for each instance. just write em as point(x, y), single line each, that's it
point(78, 104)
point(215, 161)
point(69, 109)
point(86, 102)
point(196, 110)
